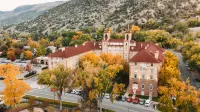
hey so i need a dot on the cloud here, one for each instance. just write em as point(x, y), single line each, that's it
point(7, 5)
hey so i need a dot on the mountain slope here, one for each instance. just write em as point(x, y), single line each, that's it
point(77, 14)
point(26, 12)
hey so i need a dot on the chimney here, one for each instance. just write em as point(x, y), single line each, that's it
point(141, 45)
point(156, 54)
point(62, 49)
point(76, 45)
point(94, 43)
point(84, 44)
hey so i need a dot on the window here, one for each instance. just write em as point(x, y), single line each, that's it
point(143, 76)
point(142, 86)
point(135, 75)
point(150, 86)
point(151, 64)
point(151, 77)
point(135, 63)
point(151, 71)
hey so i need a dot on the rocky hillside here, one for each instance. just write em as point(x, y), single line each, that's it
point(77, 14)
point(26, 12)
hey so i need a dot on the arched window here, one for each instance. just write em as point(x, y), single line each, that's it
point(106, 36)
point(127, 37)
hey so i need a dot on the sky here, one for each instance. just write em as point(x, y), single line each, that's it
point(8, 5)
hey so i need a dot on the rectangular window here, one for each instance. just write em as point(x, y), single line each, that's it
point(151, 77)
point(142, 86)
point(151, 71)
point(151, 64)
point(150, 86)
point(135, 75)
point(135, 63)
point(143, 76)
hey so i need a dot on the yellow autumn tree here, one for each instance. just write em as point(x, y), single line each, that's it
point(10, 53)
point(97, 78)
point(135, 28)
point(13, 93)
point(33, 44)
point(181, 93)
point(28, 54)
point(169, 68)
point(44, 42)
point(58, 42)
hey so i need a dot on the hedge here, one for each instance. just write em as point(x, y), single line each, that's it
point(51, 101)
point(142, 97)
point(106, 110)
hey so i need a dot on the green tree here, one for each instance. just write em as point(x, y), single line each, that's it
point(40, 51)
point(181, 27)
point(59, 79)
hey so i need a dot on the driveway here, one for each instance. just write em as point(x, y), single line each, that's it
point(185, 73)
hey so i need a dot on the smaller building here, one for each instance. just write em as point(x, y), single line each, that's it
point(52, 48)
point(42, 60)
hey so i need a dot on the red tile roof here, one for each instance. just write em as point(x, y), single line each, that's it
point(116, 40)
point(147, 53)
point(144, 56)
point(72, 51)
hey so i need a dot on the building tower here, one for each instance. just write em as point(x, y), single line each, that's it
point(127, 39)
point(105, 40)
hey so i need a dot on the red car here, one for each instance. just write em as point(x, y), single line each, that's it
point(129, 99)
point(136, 100)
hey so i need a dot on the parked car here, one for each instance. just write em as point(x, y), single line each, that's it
point(141, 102)
point(78, 92)
point(136, 100)
point(73, 91)
point(2, 78)
point(129, 99)
point(123, 98)
point(118, 98)
point(31, 73)
point(147, 103)
point(107, 96)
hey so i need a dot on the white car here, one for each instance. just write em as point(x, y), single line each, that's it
point(77, 92)
point(147, 103)
point(73, 91)
point(107, 96)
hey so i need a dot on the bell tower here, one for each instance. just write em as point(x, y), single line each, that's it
point(106, 37)
point(127, 39)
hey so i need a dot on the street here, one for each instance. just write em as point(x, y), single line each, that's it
point(185, 73)
point(117, 106)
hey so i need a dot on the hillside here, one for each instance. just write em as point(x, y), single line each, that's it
point(77, 14)
point(26, 12)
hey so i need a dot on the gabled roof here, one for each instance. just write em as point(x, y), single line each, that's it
point(73, 51)
point(144, 56)
point(147, 53)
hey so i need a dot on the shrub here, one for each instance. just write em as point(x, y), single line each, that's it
point(51, 101)
point(130, 95)
point(178, 35)
point(197, 35)
point(142, 97)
